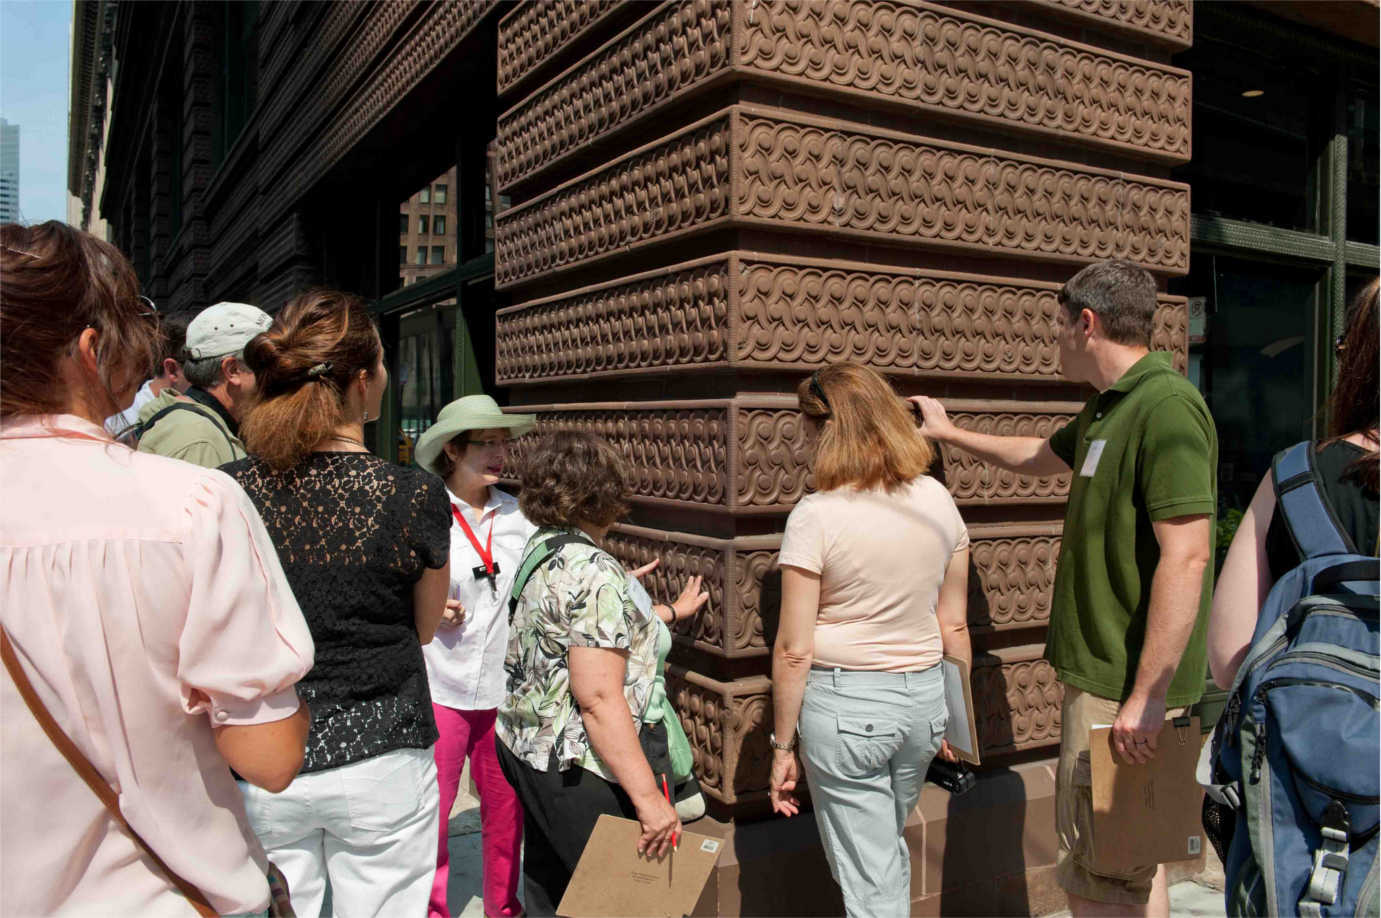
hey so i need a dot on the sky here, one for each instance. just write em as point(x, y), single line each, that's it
point(35, 45)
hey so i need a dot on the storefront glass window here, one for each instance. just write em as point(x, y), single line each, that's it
point(1362, 164)
point(1251, 355)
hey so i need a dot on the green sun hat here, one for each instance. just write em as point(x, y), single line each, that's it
point(473, 412)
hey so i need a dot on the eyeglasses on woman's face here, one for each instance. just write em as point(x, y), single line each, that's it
point(493, 443)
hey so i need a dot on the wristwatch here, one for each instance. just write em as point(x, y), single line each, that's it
point(784, 747)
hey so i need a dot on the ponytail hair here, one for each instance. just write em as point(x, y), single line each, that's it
point(304, 366)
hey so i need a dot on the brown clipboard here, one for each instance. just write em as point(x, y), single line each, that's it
point(1146, 814)
point(612, 879)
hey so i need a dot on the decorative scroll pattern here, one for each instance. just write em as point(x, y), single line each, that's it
point(702, 717)
point(1015, 576)
point(838, 179)
point(1172, 20)
point(727, 725)
point(942, 58)
point(678, 184)
point(796, 315)
point(814, 315)
point(973, 481)
point(679, 563)
point(538, 30)
point(675, 454)
point(678, 47)
point(773, 458)
point(675, 319)
point(1171, 332)
point(1017, 705)
point(746, 632)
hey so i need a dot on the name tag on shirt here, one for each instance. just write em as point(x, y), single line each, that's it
point(1095, 452)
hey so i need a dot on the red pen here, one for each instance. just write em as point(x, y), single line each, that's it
point(675, 836)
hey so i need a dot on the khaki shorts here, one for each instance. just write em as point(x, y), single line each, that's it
point(1074, 806)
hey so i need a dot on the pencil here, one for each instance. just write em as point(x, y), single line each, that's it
point(675, 836)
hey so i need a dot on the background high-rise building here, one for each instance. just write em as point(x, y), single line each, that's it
point(9, 172)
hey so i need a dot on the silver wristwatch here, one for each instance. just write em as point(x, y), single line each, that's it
point(784, 747)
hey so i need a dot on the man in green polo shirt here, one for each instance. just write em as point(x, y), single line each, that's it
point(1133, 586)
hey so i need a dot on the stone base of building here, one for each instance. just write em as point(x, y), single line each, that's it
point(988, 852)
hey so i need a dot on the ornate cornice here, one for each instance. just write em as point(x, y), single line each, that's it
point(904, 52)
point(750, 311)
point(765, 167)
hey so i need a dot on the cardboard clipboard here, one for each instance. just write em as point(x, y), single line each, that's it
point(962, 732)
point(612, 879)
point(1146, 814)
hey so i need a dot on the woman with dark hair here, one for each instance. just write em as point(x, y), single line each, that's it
point(582, 670)
point(875, 568)
point(1346, 465)
point(143, 603)
point(365, 545)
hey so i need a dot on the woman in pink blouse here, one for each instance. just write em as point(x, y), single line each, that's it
point(145, 604)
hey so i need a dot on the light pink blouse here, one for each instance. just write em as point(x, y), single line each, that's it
point(146, 603)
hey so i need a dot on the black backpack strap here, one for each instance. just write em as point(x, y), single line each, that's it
point(538, 555)
point(1311, 522)
point(141, 429)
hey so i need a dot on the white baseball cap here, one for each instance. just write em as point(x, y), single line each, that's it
point(224, 329)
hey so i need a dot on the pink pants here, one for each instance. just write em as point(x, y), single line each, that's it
point(471, 733)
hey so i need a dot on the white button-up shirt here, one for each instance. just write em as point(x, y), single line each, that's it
point(465, 663)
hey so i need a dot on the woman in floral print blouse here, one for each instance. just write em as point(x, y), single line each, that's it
point(581, 665)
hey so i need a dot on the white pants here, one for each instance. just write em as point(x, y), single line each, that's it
point(369, 828)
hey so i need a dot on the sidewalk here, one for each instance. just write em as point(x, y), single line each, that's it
point(464, 894)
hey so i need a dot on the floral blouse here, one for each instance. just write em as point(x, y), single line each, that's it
point(579, 598)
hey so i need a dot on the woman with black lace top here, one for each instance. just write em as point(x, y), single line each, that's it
point(365, 545)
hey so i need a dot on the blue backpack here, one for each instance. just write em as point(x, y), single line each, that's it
point(1295, 754)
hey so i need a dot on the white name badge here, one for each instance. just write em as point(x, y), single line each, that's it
point(1095, 452)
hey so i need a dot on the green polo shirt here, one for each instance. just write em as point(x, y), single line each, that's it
point(1143, 450)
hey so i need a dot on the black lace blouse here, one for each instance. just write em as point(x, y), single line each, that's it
point(353, 534)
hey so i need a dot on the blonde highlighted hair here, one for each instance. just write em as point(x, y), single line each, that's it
point(867, 436)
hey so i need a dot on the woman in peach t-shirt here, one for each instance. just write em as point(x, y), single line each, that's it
point(874, 583)
point(146, 607)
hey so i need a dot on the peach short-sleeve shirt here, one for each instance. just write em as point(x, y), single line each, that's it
point(881, 557)
point(146, 603)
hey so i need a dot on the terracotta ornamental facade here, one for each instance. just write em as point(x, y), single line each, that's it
point(665, 215)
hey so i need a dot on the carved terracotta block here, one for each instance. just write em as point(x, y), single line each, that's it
point(536, 31)
point(919, 56)
point(1168, 21)
point(751, 166)
point(1016, 699)
point(748, 455)
point(729, 625)
point(1013, 571)
point(727, 724)
point(750, 311)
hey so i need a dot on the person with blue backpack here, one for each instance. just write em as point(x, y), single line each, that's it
point(1292, 769)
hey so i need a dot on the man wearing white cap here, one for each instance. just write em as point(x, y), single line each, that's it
point(202, 427)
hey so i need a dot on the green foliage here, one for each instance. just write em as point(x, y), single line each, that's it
point(1226, 528)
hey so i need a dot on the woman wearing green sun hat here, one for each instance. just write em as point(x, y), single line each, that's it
point(467, 447)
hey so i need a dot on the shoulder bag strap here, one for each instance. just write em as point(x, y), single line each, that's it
point(1309, 519)
point(188, 406)
point(534, 559)
point(83, 767)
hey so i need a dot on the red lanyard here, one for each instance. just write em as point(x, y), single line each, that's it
point(487, 552)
